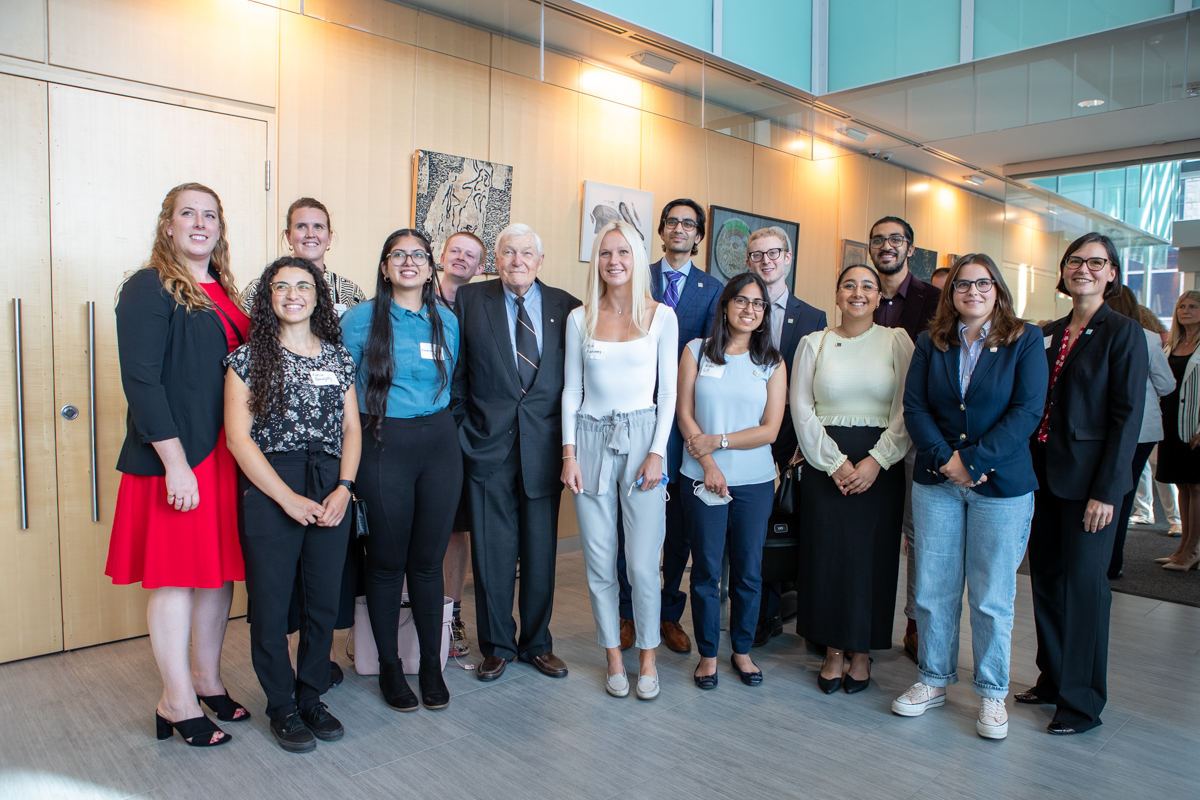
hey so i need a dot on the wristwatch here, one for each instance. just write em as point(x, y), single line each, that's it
point(724, 442)
point(348, 484)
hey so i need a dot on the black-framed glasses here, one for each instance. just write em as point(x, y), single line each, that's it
point(399, 258)
point(984, 285)
point(758, 255)
point(676, 222)
point(1094, 264)
point(854, 286)
point(741, 302)
point(280, 288)
point(895, 240)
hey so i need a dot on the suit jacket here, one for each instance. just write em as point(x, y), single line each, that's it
point(695, 311)
point(486, 397)
point(920, 305)
point(1095, 408)
point(991, 426)
point(800, 319)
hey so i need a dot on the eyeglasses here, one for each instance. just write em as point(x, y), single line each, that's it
point(895, 240)
point(281, 288)
point(757, 255)
point(1094, 264)
point(984, 285)
point(854, 286)
point(676, 222)
point(399, 258)
point(742, 302)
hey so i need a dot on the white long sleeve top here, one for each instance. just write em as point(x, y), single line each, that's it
point(600, 378)
point(857, 382)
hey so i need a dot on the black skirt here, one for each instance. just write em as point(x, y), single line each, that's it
point(850, 552)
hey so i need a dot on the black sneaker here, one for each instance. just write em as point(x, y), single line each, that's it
point(336, 676)
point(292, 735)
point(325, 726)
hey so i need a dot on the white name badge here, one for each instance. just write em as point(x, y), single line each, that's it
point(321, 377)
point(1046, 340)
point(711, 370)
point(595, 353)
point(340, 308)
point(427, 352)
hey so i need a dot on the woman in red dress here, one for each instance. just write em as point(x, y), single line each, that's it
point(175, 528)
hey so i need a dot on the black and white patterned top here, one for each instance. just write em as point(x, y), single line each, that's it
point(314, 399)
point(343, 291)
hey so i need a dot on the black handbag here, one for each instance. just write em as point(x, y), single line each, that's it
point(787, 493)
point(358, 517)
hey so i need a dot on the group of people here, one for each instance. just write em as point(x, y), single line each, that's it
point(667, 403)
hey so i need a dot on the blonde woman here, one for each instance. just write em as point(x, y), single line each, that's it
point(1178, 459)
point(619, 345)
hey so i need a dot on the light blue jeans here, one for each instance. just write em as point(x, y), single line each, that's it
point(966, 539)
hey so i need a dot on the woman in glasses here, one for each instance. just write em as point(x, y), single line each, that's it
point(847, 397)
point(1082, 451)
point(732, 393)
point(973, 397)
point(405, 342)
point(291, 417)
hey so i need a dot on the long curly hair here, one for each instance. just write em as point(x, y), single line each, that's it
point(172, 270)
point(266, 353)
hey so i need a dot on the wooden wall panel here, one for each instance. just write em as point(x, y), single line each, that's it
point(818, 251)
point(221, 48)
point(674, 161)
point(854, 189)
point(774, 183)
point(454, 39)
point(610, 143)
point(379, 17)
point(23, 33)
point(731, 171)
point(886, 193)
point(452, 102)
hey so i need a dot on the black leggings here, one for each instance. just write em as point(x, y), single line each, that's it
point(411, 481)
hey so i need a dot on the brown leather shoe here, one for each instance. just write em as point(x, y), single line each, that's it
point(492, 668)
point(550, 664)
point(628, 633)
point(675, 637)
point(910, 645)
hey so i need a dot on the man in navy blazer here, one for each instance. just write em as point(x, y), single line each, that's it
point(693, 293)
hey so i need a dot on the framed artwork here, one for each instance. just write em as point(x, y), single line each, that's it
point(603, 203)
point(922, 263)
point(728, 234)
point(853, 253)
point(454, 193)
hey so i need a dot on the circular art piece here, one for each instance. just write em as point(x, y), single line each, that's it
point(729, 252)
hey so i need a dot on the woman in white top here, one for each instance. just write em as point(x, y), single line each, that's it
point(847, 402)
point(620, 344)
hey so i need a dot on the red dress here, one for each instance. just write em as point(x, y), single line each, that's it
point(156, 545)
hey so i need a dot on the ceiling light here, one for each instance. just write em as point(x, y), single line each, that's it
point(1052, 211)
point(1091, 103)
point(975, 179)
point(853, 133)
point(654, 61)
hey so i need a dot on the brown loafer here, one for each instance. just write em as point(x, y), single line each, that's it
point(492, 668)
point(628, 633)
point(675, 637)
point(550, 664)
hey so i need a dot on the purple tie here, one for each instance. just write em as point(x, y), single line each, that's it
point(671, 295)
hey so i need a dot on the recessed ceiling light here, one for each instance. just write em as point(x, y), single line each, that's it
point(1091, 103)
point(1052, 211)
point(975, 179)
point(654, 61)
point(854, 133)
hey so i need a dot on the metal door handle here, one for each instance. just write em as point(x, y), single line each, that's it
point(20, 413)
point(91, 309)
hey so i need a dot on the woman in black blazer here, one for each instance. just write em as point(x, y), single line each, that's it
point(973, 396)
point(1081, 454)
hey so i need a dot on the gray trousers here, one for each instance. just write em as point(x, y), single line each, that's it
point(610, 451)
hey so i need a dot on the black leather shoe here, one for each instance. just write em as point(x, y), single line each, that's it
point(434, 693)
point(336, 676)
point(292, 735)
point(1060, 728)
point(767, 630)
point(748, 678)
point(828, 685)
point(853, 685)
point(1029, 697)
point(325, 726)
point(396, 691)
point(705, 682)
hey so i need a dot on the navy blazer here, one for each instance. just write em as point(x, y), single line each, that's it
point(695, 311)
point(799, 320)
point(991, 426)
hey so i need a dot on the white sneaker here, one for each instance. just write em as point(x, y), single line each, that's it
point(993, 719)
point(918, 698)
point(617, 685)
point(647, 687)
point(1141, 519)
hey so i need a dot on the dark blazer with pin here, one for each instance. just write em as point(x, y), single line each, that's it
point(799, 320)
point(989, 427)
point(1096, 407)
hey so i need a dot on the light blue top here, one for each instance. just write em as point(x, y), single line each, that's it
point(533, 307)
point(685, 270)
point(969, 354)
point(731, 398)
point(414, 391)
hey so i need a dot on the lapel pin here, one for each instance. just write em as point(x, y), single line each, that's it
point(993, 349)
point(552, 319)
point(699, 284)
point(1088, 331)
point(790, 320)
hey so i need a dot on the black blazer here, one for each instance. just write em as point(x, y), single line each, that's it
point(1095, 408)
point(486, 398)
point(172, 373)
point(799, 320)
point(920, 306)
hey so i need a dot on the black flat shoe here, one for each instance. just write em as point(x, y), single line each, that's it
point(1060, 728)
point(749, 678)
point(336, 676)
point(292, 735)
point(226, 709)
point(325, 726)
point(828, 685)
point(853, 685)
point(434, 693)
point(705, 682)
point(766, 630)
point(396, 691)
point(196, 732)
point(1029, 697)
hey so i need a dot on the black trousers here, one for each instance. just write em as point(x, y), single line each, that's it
point(1140, 456)
point(281, 553)
point(411, 482)
point(507, 524)
point(1071, 604)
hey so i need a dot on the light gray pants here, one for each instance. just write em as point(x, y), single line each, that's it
point(610, 451)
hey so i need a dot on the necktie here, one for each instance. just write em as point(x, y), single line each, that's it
point(671, 295)
point(527, 349)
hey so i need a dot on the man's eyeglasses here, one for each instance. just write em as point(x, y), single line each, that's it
point(984, 285)
point(895, 240)
point(741, 302)
point(399, 258)
point(281, 288)
point(1094, 264)
point(757, 255)
point(675, 222)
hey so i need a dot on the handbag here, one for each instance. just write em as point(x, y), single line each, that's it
point(358, 517)
point(787, 493)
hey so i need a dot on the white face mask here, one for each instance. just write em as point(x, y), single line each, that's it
point(710, 498)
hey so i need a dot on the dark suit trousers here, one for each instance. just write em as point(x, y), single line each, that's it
point(507, 524)
point(1071, 604)
point(281, 553)
point(1140, 457)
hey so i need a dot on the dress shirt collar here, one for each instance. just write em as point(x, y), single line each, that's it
point(902, 291)
point(531, 296)
point(685, 270)
point(983, 332)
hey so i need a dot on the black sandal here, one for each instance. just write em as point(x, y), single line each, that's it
point(196, 732)
point(225, 707)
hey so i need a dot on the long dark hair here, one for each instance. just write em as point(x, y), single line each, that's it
point(266, 353)
point(1113, 287)
point(381, 365)
point(762, 352)
point(1006, 327)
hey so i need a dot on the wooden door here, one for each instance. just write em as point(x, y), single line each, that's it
point(112, 160)
point(30, 599)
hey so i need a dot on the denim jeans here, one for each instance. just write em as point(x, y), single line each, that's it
point(964, 538)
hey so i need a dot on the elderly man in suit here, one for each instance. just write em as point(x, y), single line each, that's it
point(769, 254)
point(507, 401)
point(693, 295)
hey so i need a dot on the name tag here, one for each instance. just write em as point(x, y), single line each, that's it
point(340, 308)
point(595, 353)
point(427, 352)
point(711, 370)
point(321, 377)
point(1046, 341)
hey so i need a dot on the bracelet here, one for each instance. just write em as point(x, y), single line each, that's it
point(566, 457)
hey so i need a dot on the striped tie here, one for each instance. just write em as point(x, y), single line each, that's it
point(527, 349)
point(671, 295)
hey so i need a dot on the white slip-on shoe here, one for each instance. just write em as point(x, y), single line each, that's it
point(617, 685)
point(993, 719)
point(917, 699)
point(647, 687)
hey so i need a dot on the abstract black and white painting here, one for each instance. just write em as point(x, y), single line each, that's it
point(603, 203)
point(454, 193)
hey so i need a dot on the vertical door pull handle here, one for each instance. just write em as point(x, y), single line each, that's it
point(91, 309)
point(20, 413)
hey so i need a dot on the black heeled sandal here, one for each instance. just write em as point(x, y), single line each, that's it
point(196, 732)
point(225, 707)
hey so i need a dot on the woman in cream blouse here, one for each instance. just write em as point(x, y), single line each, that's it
point(847, 402)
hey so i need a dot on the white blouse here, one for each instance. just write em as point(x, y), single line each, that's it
point(859, 383)
point(621, 376)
